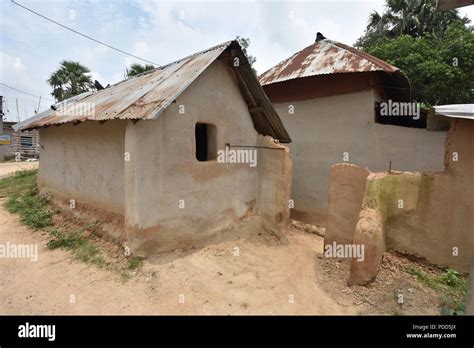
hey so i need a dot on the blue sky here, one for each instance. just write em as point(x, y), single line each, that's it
point(160, 31)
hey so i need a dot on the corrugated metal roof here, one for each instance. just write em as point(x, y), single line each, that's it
point(324, 57)
point(26, 124)
point(146, 96)
point(456, 110)
point(143, 96)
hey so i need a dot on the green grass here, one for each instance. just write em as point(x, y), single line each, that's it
point(24, 200)
point(82, 249)
point(23, 179)
point(134, 263)
point(453, 286)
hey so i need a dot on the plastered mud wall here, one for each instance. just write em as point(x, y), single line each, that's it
point(346, 193)
point(172, 199)
point(427, 215)
point(85, 162)
point(324, 129)
point(274, 183)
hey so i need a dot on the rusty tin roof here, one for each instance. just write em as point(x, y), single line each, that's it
point(146, 96)
point(324, 57)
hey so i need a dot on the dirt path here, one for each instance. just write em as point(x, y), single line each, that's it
point(265, 278)
point(7, 168)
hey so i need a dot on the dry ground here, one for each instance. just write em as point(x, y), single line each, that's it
point(264, 278)
point(268, 276)
point(7, 168)
point(259, 274)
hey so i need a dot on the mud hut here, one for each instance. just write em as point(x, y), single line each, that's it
point(182, 152)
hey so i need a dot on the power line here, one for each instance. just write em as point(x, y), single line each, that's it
point(19, 90)
point(88, 37)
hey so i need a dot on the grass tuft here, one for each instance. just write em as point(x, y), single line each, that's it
point(134, 263)
point(82, 249)
point(24, 200)
point(453, 286)
point(22, 179)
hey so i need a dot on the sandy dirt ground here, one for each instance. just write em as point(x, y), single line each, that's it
point(266, 277)
point(258, 274)
point(8, 168)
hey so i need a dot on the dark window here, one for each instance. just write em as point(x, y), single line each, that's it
point(205, 142)
point(403, 121)
point(26, 141)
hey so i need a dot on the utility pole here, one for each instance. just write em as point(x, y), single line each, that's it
point(39, 103)
point(2, 157)
point(1, 114)
point(17, 111)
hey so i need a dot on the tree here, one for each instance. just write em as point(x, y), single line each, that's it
point(69, 80)
point(440, 69)
point(244, 44)
point(408, 17)
point(136, 69)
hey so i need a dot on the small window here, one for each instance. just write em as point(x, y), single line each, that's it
point(402, 116)
point(26, 141)
point(205, 142)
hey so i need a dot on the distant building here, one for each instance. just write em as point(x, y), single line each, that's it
point(18, 145)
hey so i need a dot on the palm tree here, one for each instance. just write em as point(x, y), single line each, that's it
point(408, 17)
point(69, 80)
point(136, 69)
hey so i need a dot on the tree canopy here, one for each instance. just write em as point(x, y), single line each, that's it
point(69, 80)
point(408, 17)
point(136, 69)
point(244, 44)
point(434, 49)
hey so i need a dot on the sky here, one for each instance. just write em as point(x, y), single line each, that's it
point(31, 48)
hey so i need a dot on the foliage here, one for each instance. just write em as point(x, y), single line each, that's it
point(69, 80)
point(453, 286)
point(244, 44)
point(451, 277)
point(440, 69)
point(408, 17)
point(136, 69)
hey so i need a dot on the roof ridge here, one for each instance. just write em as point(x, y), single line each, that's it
point(362, 54)
point(226, 43)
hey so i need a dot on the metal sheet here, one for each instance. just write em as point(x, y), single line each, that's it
point(146, 96)
point(143, 96)
point(324, 57)
point(456, 110)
